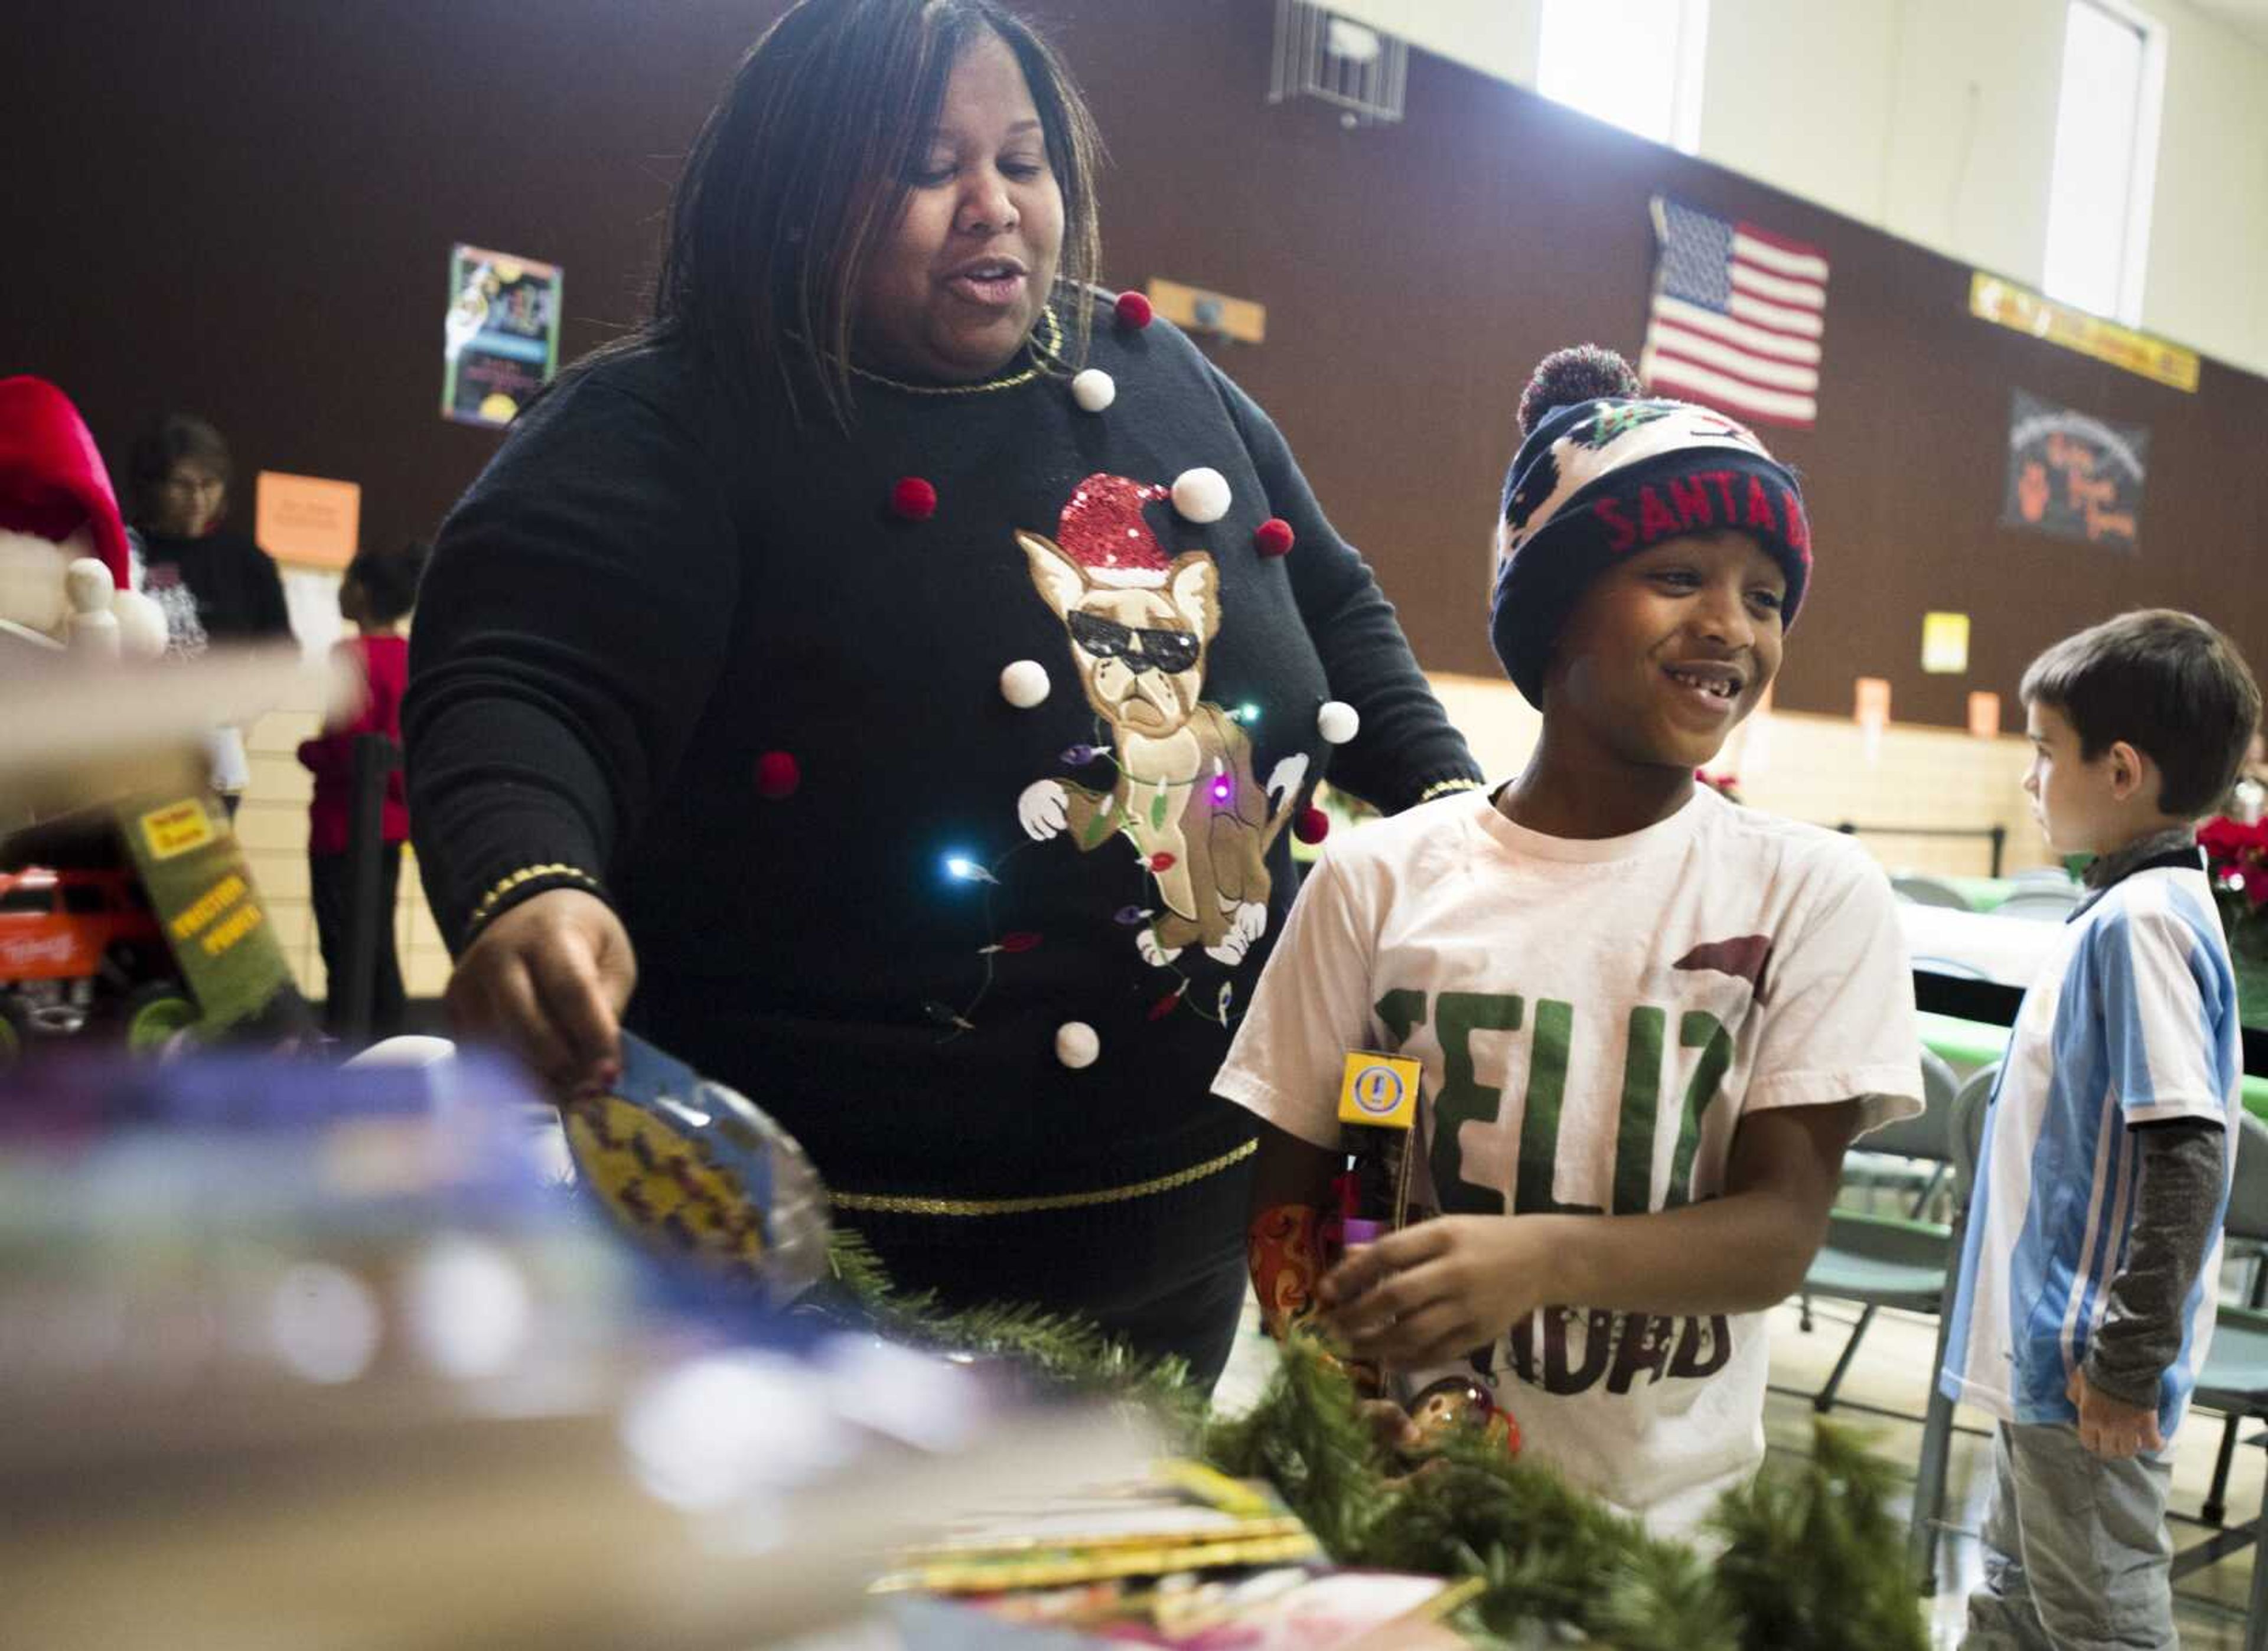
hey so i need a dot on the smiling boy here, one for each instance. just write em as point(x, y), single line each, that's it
point(1649, 1021)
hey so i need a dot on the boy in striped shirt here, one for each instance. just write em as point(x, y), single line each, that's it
point(2085, 1298)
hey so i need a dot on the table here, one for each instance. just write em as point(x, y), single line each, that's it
point(1967, 1045)
point(2008, 950)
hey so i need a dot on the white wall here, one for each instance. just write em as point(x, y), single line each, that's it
point(1971, 141)
point(1802, 94)
point(1934, 120)
point(2210, 227)
point(1496, 37)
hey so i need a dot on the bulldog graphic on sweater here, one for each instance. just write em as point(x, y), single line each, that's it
point(1185, 798)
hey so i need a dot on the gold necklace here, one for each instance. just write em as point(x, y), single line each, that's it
point(1044, 354)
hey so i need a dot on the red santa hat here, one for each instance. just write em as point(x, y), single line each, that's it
point(52, 480)
point(1101, 530)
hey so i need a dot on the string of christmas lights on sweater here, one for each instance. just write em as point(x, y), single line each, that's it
point(1109, 507)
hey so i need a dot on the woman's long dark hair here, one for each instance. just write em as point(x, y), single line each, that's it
point(799, 173)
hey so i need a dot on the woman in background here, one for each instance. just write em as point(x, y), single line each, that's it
point(212, 586)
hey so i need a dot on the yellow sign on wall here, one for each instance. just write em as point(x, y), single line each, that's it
point(1991, 298)
point(1945, 644)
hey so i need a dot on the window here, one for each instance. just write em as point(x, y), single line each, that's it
point(1634, 62)
point(82, 901)
point(40, 898)
point(2106, 158)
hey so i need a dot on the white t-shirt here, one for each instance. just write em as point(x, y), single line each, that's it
point(1593, 1018)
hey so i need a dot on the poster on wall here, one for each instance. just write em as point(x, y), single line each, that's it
point(1945, 644)
point(500, 339)
point(309, 521)
point(2020, 309)
point(2075, 476)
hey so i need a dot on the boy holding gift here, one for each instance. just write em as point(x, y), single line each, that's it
point(1648, 1022)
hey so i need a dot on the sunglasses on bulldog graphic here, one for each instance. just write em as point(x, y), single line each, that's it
point(1138, 648)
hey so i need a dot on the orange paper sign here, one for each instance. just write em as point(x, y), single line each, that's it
point(1984, 716)
point(308, 520)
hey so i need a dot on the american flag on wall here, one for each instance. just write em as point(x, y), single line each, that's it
point(1737, 318)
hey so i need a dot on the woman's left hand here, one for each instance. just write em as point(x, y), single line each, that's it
point(1432, 1292)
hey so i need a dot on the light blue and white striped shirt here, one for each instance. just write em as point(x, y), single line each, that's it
point(2132, 1020)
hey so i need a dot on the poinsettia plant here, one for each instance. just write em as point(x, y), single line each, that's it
point(2237, 859)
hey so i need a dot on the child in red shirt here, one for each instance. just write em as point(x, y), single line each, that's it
point(375, 596)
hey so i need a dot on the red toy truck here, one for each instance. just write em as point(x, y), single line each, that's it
point(77, 946)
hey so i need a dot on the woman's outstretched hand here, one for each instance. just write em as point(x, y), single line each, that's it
point(548, 981)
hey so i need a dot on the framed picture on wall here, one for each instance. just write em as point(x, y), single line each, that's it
point(2075, 476)
point(500, 339)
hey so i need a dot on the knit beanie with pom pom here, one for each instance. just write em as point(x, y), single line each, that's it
point(1603, 472)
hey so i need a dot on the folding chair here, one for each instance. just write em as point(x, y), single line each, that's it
point(2043, 902)
point(1912, 1157)
point(1952, 968)
point(1969, 1113)
point(1913, 1264)
point(2235, 1381)
point(1928, 892)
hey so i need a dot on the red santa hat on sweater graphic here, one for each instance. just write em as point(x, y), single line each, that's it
point(1101, 530)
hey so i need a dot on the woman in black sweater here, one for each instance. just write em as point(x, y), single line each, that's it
point(215, 586)
point(902, 664)
point(212, 586)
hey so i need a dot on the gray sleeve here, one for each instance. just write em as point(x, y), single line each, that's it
point(2177, 1197)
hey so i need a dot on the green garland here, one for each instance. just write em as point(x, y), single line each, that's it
point(1811, 1559)
point(1068, 1354)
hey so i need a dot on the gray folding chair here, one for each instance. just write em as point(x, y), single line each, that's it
point(1922, 890)
point(1952, 968)
point(1910, 1156)
point(1969, 1110)
point(2235, 1381)
point(2043, 902)
point(1913, 1156)
point(1911, 1264)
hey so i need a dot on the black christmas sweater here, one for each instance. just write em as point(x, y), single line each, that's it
point(940, 769)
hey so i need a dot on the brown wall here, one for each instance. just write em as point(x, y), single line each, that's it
point(245, 208)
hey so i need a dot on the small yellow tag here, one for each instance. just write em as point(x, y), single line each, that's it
point(1380, 1090)
point(176, 829)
